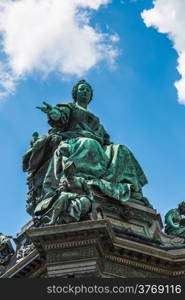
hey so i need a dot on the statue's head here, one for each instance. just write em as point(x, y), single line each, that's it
point(181, 207)
point(78, 89)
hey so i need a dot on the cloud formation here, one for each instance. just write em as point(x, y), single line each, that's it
point(50, 36)
point(168, 16)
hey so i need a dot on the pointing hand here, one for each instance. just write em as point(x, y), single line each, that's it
point(46, 109)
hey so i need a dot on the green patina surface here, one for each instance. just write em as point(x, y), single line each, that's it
point(175, 223)
point(77, 137)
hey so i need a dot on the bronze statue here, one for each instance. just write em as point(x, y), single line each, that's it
point(77, 136)
point(175, 223)
point(6, 249)
point(75, 198)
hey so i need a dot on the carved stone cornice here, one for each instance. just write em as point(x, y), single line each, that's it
point(177, 256)
point(73, 244)
point(93, 247)
point(72, 235)
point(136, 264)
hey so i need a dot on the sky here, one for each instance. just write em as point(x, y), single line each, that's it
point(132, 52)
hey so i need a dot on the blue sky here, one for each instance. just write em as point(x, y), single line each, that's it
point(131, 64)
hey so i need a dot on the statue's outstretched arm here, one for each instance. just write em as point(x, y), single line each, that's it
point(51, 111)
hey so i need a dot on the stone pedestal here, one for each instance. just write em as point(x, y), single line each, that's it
point(125, 241)
point(74, 250)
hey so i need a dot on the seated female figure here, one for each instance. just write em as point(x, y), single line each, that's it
point(79, 137)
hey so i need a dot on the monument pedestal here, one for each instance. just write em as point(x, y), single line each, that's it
point(125, 241)
point(74, 250)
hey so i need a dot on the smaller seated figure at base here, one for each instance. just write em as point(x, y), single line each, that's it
point(175, 223)
point(75, 198)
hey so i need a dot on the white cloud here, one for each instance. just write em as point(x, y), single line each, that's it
point(50, 36)
point(168, 16)
point(7, 81)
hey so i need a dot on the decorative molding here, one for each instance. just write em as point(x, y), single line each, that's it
point(147, 267)
point(62, 245)
point(154, 252)
point(135, 264)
